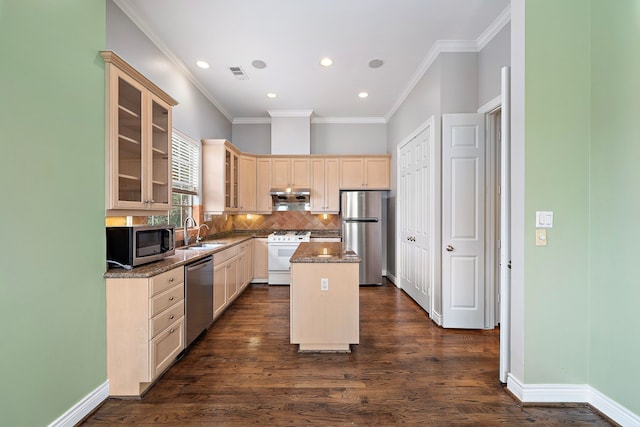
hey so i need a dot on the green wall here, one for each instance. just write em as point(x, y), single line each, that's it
point(615, 201)
point(582, 102)
point(557, 179)
point(52, 173)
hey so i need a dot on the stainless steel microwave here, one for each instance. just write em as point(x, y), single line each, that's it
point(131, 246)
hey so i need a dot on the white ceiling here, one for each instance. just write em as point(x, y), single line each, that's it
point(291, 36)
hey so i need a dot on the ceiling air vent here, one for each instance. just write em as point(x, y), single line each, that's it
point(239, 74)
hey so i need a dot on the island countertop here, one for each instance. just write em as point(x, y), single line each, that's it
point(312, 252)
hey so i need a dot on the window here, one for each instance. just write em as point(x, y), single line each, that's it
point(185, 168)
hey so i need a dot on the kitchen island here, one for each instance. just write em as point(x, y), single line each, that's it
point(324, 298)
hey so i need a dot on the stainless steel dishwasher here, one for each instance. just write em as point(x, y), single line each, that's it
point(198, 297)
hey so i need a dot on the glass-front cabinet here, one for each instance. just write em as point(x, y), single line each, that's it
point(138, 141)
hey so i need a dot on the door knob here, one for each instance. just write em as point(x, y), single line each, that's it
point(449, 248)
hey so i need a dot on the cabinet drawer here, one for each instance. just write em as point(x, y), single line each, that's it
point(163, 320)
point(221, 257)
point(164, 348)
point(164, 281)
point(166, 299)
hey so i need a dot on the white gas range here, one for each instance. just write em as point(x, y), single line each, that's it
point(282, 244)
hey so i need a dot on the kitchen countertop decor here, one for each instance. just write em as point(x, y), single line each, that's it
point(323, 252)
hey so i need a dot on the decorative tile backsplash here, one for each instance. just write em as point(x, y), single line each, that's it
point(295, 220)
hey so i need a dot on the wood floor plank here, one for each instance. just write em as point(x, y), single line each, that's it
point(405, 370)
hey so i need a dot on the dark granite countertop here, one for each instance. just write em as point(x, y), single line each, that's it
point(323, 252)
point(182, 256)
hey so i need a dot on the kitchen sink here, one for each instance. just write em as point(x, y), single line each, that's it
point(204, 246)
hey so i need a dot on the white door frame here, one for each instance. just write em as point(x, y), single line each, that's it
point(436, 305)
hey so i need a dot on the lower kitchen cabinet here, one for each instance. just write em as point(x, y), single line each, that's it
point(229, 276)
point(260, 260)
point(145, 329)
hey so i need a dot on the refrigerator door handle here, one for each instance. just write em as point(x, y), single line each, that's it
point(361, 220)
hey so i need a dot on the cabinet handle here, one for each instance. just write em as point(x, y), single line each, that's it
point(171, 317)
point(171, 330)
point(171, 280)
point(170, 298)
point(449, 248)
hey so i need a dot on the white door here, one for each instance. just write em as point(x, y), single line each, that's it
point(505, 225)
point(416, 217)
point(463, 210)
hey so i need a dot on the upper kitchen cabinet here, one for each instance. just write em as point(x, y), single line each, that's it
point(325, 192)
point(219, 176)
point(263, 185)
point(246, 183)
point(365, 173)
point(290, 172)
point(138, 141)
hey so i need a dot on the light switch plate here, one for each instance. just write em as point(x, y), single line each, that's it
point(541, 237)
point(324, 284)
point(544, 219)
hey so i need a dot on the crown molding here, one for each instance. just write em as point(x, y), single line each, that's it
point(492, 30)
point(348, 120)
point(290, 113)
point(446, 46)
point(251, 120)
point(123, 5)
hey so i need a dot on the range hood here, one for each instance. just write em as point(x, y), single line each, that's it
point(291, 199)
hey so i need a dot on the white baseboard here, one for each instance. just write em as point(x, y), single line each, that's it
point(391, 277)
point(83, 408)
point(572, 393)
point(436, 317)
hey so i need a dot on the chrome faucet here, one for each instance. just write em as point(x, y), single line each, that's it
point(198, 238)
point(186, 226)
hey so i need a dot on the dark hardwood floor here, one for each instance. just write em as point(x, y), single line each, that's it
point(405, 370)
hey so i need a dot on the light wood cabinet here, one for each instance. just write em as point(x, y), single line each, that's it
point(145, 329)
point(324, 319)
point(231, 274)
point(264, 204)
point(290, 172)
point(260, 260)
point(247, 195)
point(365, 173)
point(325, 191)
point(138, 141)
point(219, 176)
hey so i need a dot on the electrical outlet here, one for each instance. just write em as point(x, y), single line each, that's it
point(541, 237)
point(324, 284)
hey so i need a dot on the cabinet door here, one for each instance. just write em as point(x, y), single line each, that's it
point(261, 260)
point(230, 180)
point(317, 186)
point(331, 186)
point(165, 347)
point(125, 114)
point(159, 175)
point(247, 184)
point(219, 288)
point(299, 173)
point(352, 173)
point(263, 186)
point(280, 172)
point(232, 278)
point(377, 173)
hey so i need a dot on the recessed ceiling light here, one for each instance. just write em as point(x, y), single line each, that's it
point(203, 64)
point(326, 62)
point(271, 95)
point(259, 64)
point(376, 63)
point(363, 94)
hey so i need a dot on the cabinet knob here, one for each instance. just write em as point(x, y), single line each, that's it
point(170, 298)
point(449, 248)
point(171, 330)
point(170, 279)
point(171, 317)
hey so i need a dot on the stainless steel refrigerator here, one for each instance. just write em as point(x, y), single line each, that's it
point(362, 231)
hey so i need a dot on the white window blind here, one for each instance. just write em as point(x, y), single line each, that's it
point(185, 163)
